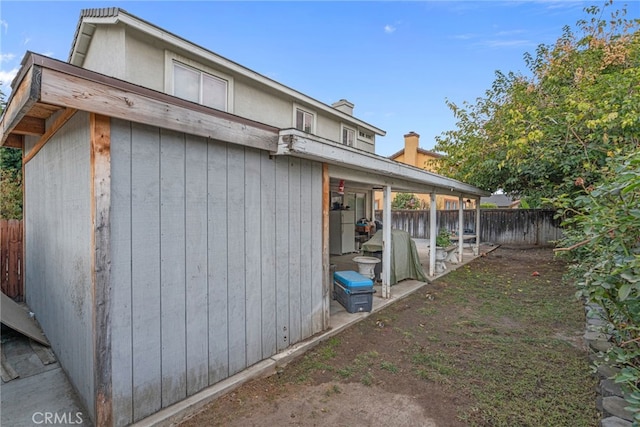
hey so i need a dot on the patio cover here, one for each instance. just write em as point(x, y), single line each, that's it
point(405, 262)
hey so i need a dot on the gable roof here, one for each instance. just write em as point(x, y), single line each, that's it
point(90, 18)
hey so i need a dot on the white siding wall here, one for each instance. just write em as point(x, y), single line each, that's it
point(216, 262)
point(58, 249)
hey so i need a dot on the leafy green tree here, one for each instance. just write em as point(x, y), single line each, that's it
point(10, 178)
point(534, 136)
point(406, 201)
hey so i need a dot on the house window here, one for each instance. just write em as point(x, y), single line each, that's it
point(304, 120)
point(197, 86)
point(365, 135)
point(348, 136)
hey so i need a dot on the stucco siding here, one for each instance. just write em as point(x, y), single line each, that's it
point(58, 232)
point(146, 59)
point(107, 53)
point(214, 255)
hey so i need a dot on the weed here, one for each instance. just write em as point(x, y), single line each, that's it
point(346, 372)
point(388, 366)
point(367, 379)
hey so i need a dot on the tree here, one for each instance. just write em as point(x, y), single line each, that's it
point(10, 178)
point(534, 136)
point(406, 201)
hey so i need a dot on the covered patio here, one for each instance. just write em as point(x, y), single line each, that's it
point(348, 170)
point(341, 318)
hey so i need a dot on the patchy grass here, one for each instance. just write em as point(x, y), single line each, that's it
point(481, 344)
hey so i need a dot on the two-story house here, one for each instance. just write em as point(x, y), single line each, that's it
point(177, 211)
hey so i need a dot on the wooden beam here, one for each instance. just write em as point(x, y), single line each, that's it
point(55, 126)
point(72, 91)
point(30, 126)
point(100, 158)
point(14, 141)
point(24, 97)
point(327, 280)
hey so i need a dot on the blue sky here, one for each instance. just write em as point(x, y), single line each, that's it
point(398, 62)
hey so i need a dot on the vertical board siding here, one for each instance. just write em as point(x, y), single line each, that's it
point(121, 331)
point(145, 271)
point(236, 259)
point(172, 266)
point(295, 251)
point(268, 252)
point(217, 253)
point(218, 277)
point(284, 252)
point(306, 301)
point(252, 255)
point(196, 229)
point(58, 246)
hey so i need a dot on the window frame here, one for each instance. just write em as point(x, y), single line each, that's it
point(172, 59)
point(344, 128)
point(312, 113)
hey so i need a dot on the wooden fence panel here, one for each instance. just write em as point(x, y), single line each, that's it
point(11, 272)
point(499, 226)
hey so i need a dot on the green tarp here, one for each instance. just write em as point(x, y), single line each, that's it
point(405, 262)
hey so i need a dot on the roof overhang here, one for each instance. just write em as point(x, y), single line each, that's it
point(44, 86)
point(361, 166)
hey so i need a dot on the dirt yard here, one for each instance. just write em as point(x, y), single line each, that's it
point(497, 342)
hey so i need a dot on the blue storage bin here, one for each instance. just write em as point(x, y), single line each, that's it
point(352, 280)
point(353, 291)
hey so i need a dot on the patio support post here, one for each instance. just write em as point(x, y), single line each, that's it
point(460, 227)
point(386, 243)
point(432, 234)
point(476, 247)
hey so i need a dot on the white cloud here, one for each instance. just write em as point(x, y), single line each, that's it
point(4, 24)
point(6, 77)
point(4, 57)
point(389, 29)
point(506, 43)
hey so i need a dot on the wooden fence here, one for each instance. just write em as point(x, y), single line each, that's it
point(11, 277)
point(499, 226)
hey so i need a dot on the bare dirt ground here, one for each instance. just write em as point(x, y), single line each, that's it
point(407, 365)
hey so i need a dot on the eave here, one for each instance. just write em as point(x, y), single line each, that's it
point(370, 168)
point(45, 86)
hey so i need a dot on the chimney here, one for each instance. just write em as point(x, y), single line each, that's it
point(344, 106)
point(411, 141)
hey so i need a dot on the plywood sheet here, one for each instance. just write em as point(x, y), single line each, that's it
point(15, 317)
